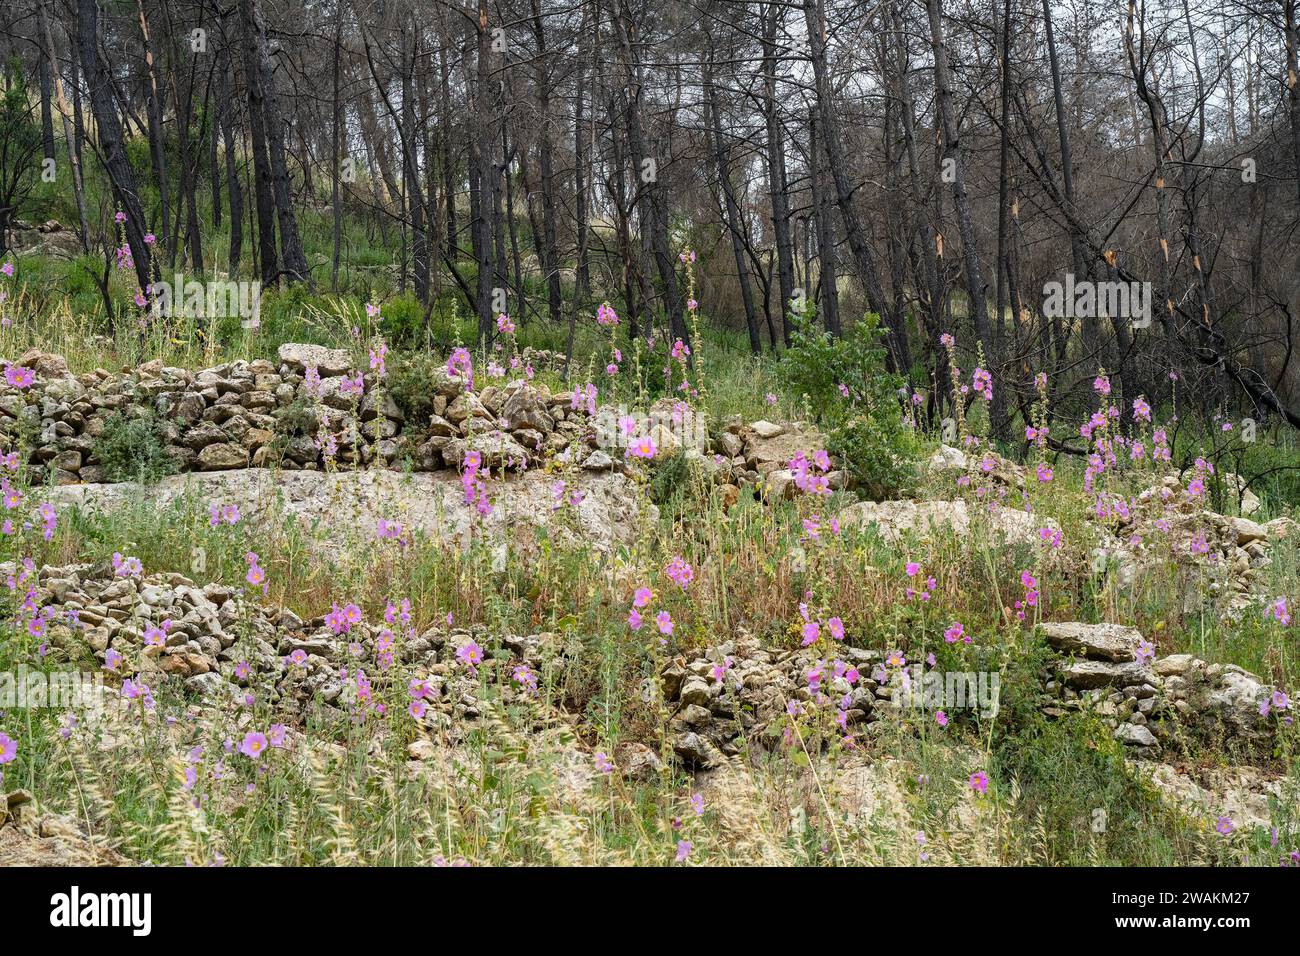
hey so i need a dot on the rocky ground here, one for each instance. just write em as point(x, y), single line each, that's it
point(291, 442)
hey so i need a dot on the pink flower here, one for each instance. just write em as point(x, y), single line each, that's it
point(811, 632)
point(1280, 612)
point(19, 377)
point(470, 654)
point(254, 745)
point(664, 620)
point(643, 447)
point(979, 782)
point(642, 597)
point(679, 572)
point(461, 365)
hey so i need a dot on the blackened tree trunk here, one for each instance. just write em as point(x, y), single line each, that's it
point(731, 209)
point(826, 281)
point(183, 106)
point(653, 208)
point(111, 145)
point(157, 141)
point(548, 250)
point(445, 147)
point(776, 180)
point(263, 191)
point(952, 152)
point(71, 134)
point(336, 123)
point(44, 71)
point(485, 147)
point(263, 97)
point(234, 192)
point(411, 168)
point(1291, 23)
point(921, 225)
point(859, 244)
point(211, 107)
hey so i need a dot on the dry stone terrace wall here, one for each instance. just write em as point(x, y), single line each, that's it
point(260, 413)
point(313, 402)
point(726, 697)
point(219, 641)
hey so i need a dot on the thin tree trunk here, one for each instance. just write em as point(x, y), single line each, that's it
point(900, 358)
point(157, 142)
point(111, 144)
point(731, 209)
point(336, 124)
point(776, 180)
point(826, 269)
point(263, 190)
point(262, 87)
point(970, 255)
point(72, 136)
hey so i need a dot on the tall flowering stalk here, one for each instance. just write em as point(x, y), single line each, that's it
point(607, 319)
point(687, 258)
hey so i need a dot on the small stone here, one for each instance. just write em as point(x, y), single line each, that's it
point(222, 457)
point(1135, 735)
point(766, 429)
point(299, 357)
point(1108, 642)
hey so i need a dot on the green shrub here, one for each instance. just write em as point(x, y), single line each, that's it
point(411, 381)
point(295, 419)
point(878, 455)
point(402, 320)
point(817, 364)
point(867, 433)
point(133, 449)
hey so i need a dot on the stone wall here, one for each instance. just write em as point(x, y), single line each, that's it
point(312, 403)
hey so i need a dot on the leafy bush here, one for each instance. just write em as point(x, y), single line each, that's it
point(403, 320)
point(878, 455)
point(296, 418)
point(817, 364)
point(411, 383)
point(866, 426)
point(133, 449)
